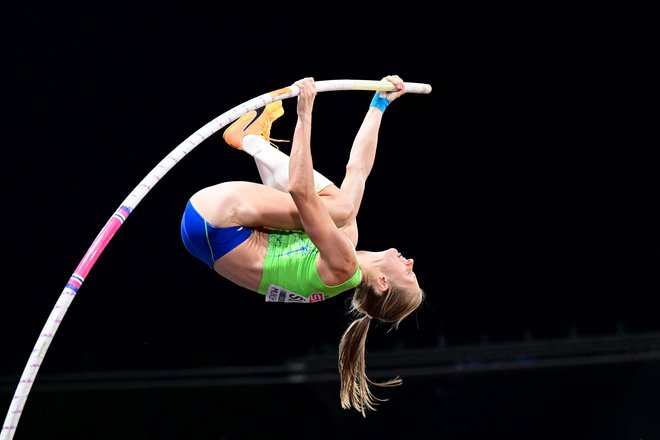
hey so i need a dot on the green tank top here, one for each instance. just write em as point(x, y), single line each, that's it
point(290, 274)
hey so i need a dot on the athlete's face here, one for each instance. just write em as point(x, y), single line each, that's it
point(399, 269)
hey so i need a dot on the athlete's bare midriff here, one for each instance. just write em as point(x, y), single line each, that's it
point(244, 264)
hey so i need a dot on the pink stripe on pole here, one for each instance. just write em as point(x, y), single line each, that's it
point(102, 240)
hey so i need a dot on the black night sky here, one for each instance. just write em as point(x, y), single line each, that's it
point(525, 186)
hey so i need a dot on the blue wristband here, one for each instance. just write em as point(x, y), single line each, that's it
point(379, 102)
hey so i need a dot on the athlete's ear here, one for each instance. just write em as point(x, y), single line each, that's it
point(382, 285)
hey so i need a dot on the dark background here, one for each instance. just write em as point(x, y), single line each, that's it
point(525, 186)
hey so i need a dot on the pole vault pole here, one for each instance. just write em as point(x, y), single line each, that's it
point(134, 198)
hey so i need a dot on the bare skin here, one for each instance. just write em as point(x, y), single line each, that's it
point(328, 217)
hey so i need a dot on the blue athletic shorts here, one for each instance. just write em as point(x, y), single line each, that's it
point(208, 242)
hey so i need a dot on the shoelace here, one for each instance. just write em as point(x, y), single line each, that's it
point(271, 140)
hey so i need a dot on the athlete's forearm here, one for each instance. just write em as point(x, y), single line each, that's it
point(362, 158)
point(301, 168)
point(363, 151)
point(301, 174)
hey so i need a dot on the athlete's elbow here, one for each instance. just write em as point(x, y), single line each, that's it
point(299, 189)
point(357, 170)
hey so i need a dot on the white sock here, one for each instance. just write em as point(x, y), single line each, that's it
point(273, 165)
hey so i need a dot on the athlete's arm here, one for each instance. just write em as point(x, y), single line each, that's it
point(363, 151)
point(336, 250)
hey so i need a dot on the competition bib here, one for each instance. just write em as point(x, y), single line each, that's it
point(279, 294)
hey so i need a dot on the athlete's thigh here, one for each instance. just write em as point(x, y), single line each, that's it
point(250, 204)
point(253, 205)
point(262, 205)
